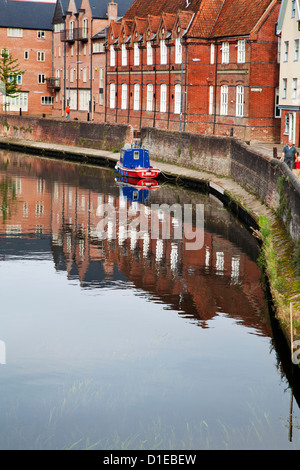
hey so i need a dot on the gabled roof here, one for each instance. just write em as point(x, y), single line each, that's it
point(239, 17)
point(282, 14)
point(142, 8)
point(26, 15)
point(206, 18)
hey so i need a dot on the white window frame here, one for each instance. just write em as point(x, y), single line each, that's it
point(71, 29)
point(112, 96)
point(149, 53)
point(26, 55)
point(225, 52)
point(41, 78)
point(178, 51)
point(211, 100)
point(277, 109)
point(163, 52)
point(15, 32)
point(224, 100)
point(18, 102)
point(40, 56)
point(294, 88)
point(284, 88)
point(136, 99)
point(240, 98)
point(212, 53)
point(84, 74)
point(296, 50)
point(286, 51)
point(112, 56)
point(85, 26)
point(46, 100)
point(124, 96)
point(136, 57)
point(241, 51)
point(124, 55)
point(41, 34)
point(177, 103)
point(163, 98)
point(149, 105)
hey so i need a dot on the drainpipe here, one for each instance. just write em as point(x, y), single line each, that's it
point(91, 73)
point(216, 81)
point(141, 85)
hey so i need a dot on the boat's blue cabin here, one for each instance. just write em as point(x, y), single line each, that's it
point(135, 158)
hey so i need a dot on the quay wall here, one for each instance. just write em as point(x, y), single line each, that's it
point(77, 133)
point(267, 178)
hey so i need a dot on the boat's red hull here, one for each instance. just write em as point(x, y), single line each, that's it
point(137, 172)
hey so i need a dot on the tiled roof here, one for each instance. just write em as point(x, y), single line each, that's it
point(239, 17)
point(142, 8)
point(27, 15)
point(205, 18)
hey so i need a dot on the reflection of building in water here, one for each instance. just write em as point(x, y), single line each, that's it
point(217, 277)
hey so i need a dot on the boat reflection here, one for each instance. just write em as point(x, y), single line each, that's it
point(134, 189)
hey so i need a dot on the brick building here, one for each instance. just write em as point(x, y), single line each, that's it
point(207, 66)
point(26, 32)
point(79, 59)
point(288, 30)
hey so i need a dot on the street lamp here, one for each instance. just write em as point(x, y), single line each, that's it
point(71, 63)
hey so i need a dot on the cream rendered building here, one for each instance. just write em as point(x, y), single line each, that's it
point(288, 30)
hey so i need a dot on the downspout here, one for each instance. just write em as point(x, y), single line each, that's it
point(105, 90)
point(215, 94)
point(142, 76)
point(128, 113)
point(169, 88)
point(117, 79)
point(185, 87)
point(154, 86)
point(91, 74)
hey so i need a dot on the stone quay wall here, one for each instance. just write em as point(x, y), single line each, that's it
point(267, 178)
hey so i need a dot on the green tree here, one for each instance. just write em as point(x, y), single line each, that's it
point(9, 73)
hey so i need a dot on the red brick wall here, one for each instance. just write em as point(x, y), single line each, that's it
point(31, 43)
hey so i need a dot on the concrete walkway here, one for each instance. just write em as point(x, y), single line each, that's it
point(223, 187)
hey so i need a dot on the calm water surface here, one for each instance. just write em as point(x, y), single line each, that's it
point(127, 343)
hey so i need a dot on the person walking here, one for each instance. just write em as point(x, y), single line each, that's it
point(289, 154)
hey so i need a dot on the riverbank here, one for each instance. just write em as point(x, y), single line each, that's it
point(278, 247)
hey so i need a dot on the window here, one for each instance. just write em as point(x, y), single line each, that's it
point(240, 100)
point(26, 55)
point(286, 51)
point(41, 56)
point(225, 53)
point(224, 100)
point(136, 101)
point(163, 98)
point(212, 53)
point(124, 55)
point(71, 31)
point(211, 100)
point(98, 47)
point(101, 86)
point(241, 51)
point(112, 103)
point(72, 71)
point(16, 79)
point(84, 100)
point(163, 52)
point(15, 32)
point(41, 34)
point(178, 51)
point(279, 50)
point(124, 96)
point(294, 89)
point(177, 107)
point(296, 50)
point(284, 88)
point(293, 8)
point(47, 99)
point(3, 51)
point(277, 109)
point(287, 124)
point(85, 28)
point(149, 97)
point(41, 78)
point(84, 75)
point(18, 102)
point(149, 53)
point(136, 54)
point(112, 56)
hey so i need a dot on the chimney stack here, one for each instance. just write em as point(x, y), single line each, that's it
point(112, 11)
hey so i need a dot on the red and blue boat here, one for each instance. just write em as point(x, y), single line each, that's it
point(135, 163)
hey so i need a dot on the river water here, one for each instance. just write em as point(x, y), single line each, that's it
point(118, 340)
